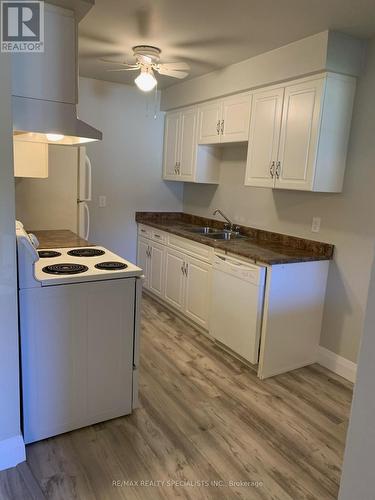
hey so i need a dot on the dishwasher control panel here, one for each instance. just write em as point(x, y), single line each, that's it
point(243, 270)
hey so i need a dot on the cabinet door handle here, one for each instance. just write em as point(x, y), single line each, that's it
point(272, 169)
point(183, 268)
point(186, 269)
point(218, 127)
point(278, 169)
point(222, 127)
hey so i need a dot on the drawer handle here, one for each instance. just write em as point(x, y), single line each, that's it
point(157, 235)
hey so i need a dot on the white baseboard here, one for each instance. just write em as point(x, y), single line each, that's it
point(337, 364)
point(12, 452)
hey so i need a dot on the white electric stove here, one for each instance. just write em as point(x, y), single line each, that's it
point(79, 329)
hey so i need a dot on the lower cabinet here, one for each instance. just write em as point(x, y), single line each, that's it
point(179, 272)
point(182, 281)
point(175, 279)
point(142, 258)
point(198, 291)
point(188, 285)
point(151, 259)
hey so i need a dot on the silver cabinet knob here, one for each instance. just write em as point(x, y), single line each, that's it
point(278, 169)
point(272, 169)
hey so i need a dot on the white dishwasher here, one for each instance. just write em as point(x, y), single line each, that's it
point(237, 305)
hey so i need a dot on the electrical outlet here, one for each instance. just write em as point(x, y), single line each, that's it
point(315, 226)
point(102, 201)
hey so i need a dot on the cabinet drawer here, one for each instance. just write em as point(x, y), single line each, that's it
point(158, 235)
point(144, 231)
point(189, 247)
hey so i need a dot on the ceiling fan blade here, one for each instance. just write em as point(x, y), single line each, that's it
point(121, 69)
point(175, 66)
point(172, 73)
point(111, 61)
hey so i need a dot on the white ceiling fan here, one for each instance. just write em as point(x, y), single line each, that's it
point(147, 61)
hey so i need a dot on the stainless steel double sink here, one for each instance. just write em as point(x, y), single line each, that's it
point(216, 234)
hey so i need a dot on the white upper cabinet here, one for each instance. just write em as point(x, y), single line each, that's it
point(304, 146)
point(210, 123)
point(171, 144)
point(299, 135)
point(264, 137)
point(187, 144)
point(235, 119)
point(30, 159)
point(225, 120)
point(184, 160)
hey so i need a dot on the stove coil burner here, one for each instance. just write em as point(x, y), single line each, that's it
point(48, 254)
point(111, 266)
point(86, 252)
point(65, 269)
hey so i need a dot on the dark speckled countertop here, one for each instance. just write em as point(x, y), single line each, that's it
point(260, 246)
point(59, 238)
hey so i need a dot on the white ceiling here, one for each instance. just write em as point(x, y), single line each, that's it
point(209, 34)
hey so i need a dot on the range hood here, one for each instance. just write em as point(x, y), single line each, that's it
point(35, 120)
point(45, 86)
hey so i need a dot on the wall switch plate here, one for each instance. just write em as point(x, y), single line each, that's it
point(315, 226)
point(102, 201)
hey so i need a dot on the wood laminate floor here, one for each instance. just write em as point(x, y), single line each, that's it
point(206, 426)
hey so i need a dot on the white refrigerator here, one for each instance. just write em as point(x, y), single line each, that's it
point(60, 201)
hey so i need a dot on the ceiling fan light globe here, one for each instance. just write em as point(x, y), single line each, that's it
point(145, 81)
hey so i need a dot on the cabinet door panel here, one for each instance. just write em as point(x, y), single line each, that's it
point(143, 260)
point(198, 287)
point(209, 123)
point(299, 135)
point(235, 118)
point(30, 159)
point(188, 144)
point(174, 279)
point(156, 273)
point(264, 137)
point(171, 142)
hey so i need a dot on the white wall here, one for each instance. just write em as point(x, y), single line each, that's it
point(127, 164)
point(347, 218)
point(357, 480)
point(11, 443)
